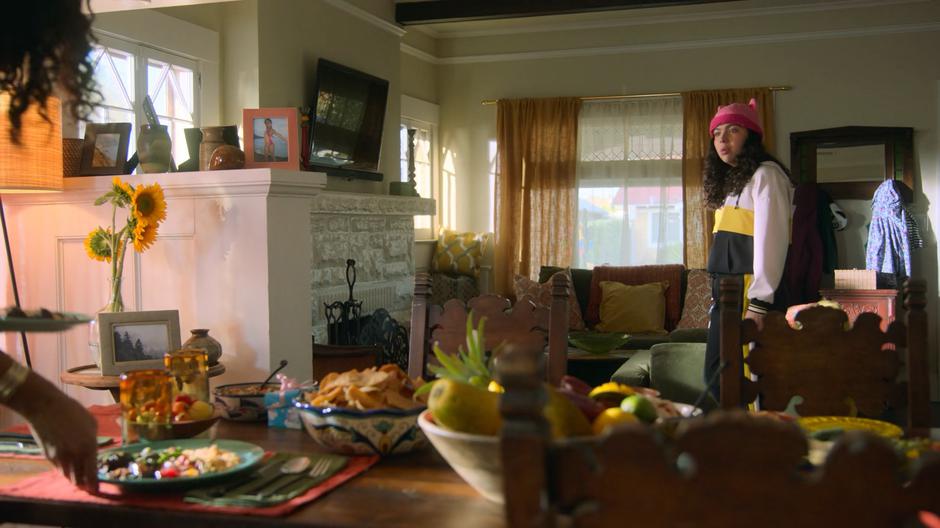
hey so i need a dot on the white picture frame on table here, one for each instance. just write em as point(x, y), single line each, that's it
point(137, 340)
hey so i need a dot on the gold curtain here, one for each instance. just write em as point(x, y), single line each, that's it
point(698, 108)
point(536, 189)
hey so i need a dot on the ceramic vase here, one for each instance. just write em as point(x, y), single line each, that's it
point(200, 338)
point(227, 157)
point(212, 138)
point(153, 149)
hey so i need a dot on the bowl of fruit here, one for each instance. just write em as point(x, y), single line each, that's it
point(189, 418)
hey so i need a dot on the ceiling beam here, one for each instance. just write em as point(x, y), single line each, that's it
point(437, 11)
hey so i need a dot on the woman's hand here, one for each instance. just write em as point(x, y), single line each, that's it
point(66, 432)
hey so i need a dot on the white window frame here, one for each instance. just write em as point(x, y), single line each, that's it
point(142, 54)
point(426, 114)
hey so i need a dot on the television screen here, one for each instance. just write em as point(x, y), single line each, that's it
point(347, 120)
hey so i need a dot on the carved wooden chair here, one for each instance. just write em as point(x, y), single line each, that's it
point(835, 370)
point(524, 323)
point(729, 469)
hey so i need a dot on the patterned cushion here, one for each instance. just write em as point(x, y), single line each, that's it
point(446, 287)
point(698, 299)
point(460, 253)
point(542, 293)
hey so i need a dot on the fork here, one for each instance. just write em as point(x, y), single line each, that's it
point(320, 468)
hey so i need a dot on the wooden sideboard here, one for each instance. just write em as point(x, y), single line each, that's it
point(854, 302)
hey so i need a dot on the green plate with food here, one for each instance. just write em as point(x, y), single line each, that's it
point(41, 320)
point(176, 464)
point(597, 342)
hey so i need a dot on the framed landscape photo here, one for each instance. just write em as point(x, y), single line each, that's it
point(104, 150)
point(137, 340)
point(271, 138)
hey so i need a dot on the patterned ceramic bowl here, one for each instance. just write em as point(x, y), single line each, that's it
point(243, 402)
point(350, 431)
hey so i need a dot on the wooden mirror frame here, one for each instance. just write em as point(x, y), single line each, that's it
point(899, 158)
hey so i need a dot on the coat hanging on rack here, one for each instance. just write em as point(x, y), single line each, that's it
point(891, 234)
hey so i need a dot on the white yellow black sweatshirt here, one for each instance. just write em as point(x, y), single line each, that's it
point(752, 235)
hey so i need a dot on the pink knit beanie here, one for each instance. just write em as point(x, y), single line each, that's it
point(738, 114)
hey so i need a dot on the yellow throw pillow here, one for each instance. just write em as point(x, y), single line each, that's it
point(633, 309)
point(460, 253)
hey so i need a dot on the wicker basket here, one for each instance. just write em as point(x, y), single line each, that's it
point(71, 156)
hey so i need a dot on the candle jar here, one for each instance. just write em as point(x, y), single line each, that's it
point(189, 370)
point(145, 405)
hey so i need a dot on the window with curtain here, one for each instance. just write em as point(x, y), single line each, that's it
point(126, 72)
point(630, 182)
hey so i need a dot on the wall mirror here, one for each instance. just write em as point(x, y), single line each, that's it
point(850, 162)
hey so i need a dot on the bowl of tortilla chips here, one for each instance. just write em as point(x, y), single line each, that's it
point(365, 412)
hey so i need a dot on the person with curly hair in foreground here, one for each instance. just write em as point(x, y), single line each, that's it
point(752, 195)
point(45, 53)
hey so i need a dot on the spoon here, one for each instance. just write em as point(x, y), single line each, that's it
point(275, 371)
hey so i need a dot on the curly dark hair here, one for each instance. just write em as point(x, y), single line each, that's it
point(722, 179)
point(46, 48)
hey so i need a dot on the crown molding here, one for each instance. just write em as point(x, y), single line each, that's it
point(423, 55)
point(366, 16)
point(693, 44)
point(427, 30)
point(667, 19)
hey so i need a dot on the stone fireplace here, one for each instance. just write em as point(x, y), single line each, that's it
point(377, 231)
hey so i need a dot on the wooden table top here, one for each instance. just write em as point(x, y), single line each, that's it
point(411, 490)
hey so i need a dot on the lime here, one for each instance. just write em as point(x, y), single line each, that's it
point(640, 406)
point(611, 417)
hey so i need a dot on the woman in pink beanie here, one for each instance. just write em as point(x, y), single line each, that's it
point(752, 195)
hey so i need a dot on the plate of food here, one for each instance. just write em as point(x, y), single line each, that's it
point(39, 320)
point(176, 464)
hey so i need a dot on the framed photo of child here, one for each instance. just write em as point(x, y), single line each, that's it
point(271, 138)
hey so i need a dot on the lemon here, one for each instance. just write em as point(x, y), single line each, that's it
point(641, 407)
point(563, 416)
point(463, 407)
point(611, 392)
point(200, 410)
point(610, 417)
point(495, 387)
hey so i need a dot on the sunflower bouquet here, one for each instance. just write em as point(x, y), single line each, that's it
point(147, 209)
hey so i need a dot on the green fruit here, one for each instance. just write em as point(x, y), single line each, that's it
point(641, 407)
point(462, 407)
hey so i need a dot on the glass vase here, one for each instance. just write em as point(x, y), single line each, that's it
point(115, 304)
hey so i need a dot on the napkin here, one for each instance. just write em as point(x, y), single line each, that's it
point(257, 490)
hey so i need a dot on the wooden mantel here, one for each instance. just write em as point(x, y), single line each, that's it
point(234, 255)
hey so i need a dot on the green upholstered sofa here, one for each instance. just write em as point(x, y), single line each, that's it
point(674, 369)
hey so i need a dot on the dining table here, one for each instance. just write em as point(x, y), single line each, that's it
point(405, 490)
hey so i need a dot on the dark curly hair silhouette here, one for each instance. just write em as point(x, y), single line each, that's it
point(721, 179)
point(45, 52)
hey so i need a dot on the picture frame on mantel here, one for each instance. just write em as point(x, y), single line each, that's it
point(136, 340)
point(104, 150)
point(271, 138)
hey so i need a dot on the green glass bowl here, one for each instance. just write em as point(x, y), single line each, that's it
point(597, 342)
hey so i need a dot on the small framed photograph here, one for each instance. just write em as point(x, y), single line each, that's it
point(137, 340)
point(104, 150)
point(271, 138)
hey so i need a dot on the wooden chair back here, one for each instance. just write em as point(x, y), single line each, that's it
point(728, 469)
point(524, 323)
point(834, 369)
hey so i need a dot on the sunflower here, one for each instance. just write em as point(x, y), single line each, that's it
point(144, 235)
point(149, 204)
point(96, 245)
point(122, 189)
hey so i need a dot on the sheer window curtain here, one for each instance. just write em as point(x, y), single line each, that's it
point(630, 182)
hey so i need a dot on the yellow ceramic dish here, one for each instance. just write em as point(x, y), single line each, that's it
point(812, 424)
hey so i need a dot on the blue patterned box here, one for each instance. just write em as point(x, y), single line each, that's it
point(281, 411)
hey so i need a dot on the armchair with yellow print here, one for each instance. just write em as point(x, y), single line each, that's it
point(460, 266)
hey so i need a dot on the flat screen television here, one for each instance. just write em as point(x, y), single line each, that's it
point(346, 125)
